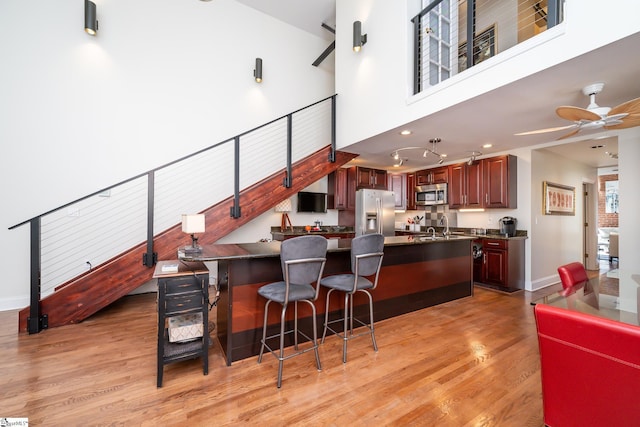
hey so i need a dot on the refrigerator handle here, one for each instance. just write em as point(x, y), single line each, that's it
point(379, 209)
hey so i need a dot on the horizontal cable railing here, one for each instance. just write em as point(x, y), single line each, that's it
point(70, 240)
point(443, 29)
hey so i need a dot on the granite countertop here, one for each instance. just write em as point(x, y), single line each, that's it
point(272, 249)
point(490, 234)
point(325, 229)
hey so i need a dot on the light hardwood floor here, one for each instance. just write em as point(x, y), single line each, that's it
point(470, 362)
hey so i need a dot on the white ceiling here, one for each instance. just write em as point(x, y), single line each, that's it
point(494, 117)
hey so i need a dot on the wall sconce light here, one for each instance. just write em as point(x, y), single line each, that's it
point(284, 207)
point(359, 39)
point(193, 224)
point(257, 72)
point(90, 19)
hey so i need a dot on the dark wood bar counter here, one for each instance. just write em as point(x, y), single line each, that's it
point(415, 274)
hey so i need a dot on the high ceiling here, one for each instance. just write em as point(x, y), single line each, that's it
point(495, 117)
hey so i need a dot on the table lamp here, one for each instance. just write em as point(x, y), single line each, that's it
point(193, 224)
point(284, 207)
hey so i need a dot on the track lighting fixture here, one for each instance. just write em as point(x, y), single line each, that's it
point(90, 18)
point(472, 159)
point(257, 72)
point(359, 39)
point(425, 153)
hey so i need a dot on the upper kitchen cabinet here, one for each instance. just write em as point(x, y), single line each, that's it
point(501, 182)
point(338, 189)
point(398, 184)
point(370, 178)
point(486, 183)
point(465, 185)
point(438, 175)
point(411, 191)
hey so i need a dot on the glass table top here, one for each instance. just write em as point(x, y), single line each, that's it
point(602, 299)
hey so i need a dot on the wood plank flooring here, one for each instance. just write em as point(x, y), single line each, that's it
point(471, 362)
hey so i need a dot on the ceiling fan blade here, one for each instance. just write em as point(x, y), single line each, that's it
point(631, 107)
point(535, 132)
point(324, 54)
point(576, 114)
point(627, 122)
point(570, 134)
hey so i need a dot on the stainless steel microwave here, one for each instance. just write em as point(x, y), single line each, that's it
point(435, 194)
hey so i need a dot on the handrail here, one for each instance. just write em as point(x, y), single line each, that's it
point(66, 205)
point(38, 321)
point(439, 41)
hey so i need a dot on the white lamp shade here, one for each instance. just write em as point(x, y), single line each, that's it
point(193, 223)
point(283, 206)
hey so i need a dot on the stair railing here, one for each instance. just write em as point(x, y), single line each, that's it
point(68, 241)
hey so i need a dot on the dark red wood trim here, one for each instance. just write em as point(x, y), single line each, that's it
point(83, 296)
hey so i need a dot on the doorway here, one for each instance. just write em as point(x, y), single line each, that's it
point(590, 229)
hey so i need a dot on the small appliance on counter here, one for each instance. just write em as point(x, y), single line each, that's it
point(508, 226)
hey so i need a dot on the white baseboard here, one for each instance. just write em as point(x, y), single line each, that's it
point(544, 282)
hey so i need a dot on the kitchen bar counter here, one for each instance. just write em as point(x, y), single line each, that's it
point(415, 274)
point(330, 232)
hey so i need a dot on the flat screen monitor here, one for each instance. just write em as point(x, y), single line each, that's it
point(312, 202)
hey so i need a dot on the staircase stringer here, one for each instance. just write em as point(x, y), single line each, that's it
point(84, 295)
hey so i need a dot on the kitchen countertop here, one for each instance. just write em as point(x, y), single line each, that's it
point(333, 230)
point(272, 249)
point(520, 234)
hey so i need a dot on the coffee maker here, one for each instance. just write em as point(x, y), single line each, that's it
point(508, 226)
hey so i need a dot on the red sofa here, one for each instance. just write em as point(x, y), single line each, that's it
point(590, 369)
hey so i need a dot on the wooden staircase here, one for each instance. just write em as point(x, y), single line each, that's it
point(86, 294)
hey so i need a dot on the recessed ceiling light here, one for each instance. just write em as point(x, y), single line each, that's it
point(405, 132)
point(487, 146)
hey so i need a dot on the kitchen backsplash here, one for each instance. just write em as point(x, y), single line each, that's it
point(430, 216)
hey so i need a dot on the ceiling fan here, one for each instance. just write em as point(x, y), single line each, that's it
point(329, 49)
point(625, 115)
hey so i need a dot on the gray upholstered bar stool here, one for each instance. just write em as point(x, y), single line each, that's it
point(366, 259)
point(302, 259)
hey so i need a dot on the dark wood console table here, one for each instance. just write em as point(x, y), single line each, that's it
point(182, 292)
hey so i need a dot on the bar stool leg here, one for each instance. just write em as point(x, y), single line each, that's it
point(281, 356)
point(264, 330)
point(373, 336)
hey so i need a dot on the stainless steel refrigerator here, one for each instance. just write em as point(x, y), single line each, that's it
point(375, 212)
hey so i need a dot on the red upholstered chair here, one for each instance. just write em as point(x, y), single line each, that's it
point(572, 274)
point(590, 369)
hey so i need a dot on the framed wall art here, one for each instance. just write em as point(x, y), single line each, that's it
point(558, 199)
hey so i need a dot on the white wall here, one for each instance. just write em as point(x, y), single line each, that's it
point(555, 239)
point(375, 85)
point(162, 79)
point(629, 244)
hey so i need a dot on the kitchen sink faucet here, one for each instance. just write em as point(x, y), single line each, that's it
point(444, 220)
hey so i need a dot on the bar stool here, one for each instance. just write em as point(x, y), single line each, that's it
point(303, 259)
point(366, 259)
